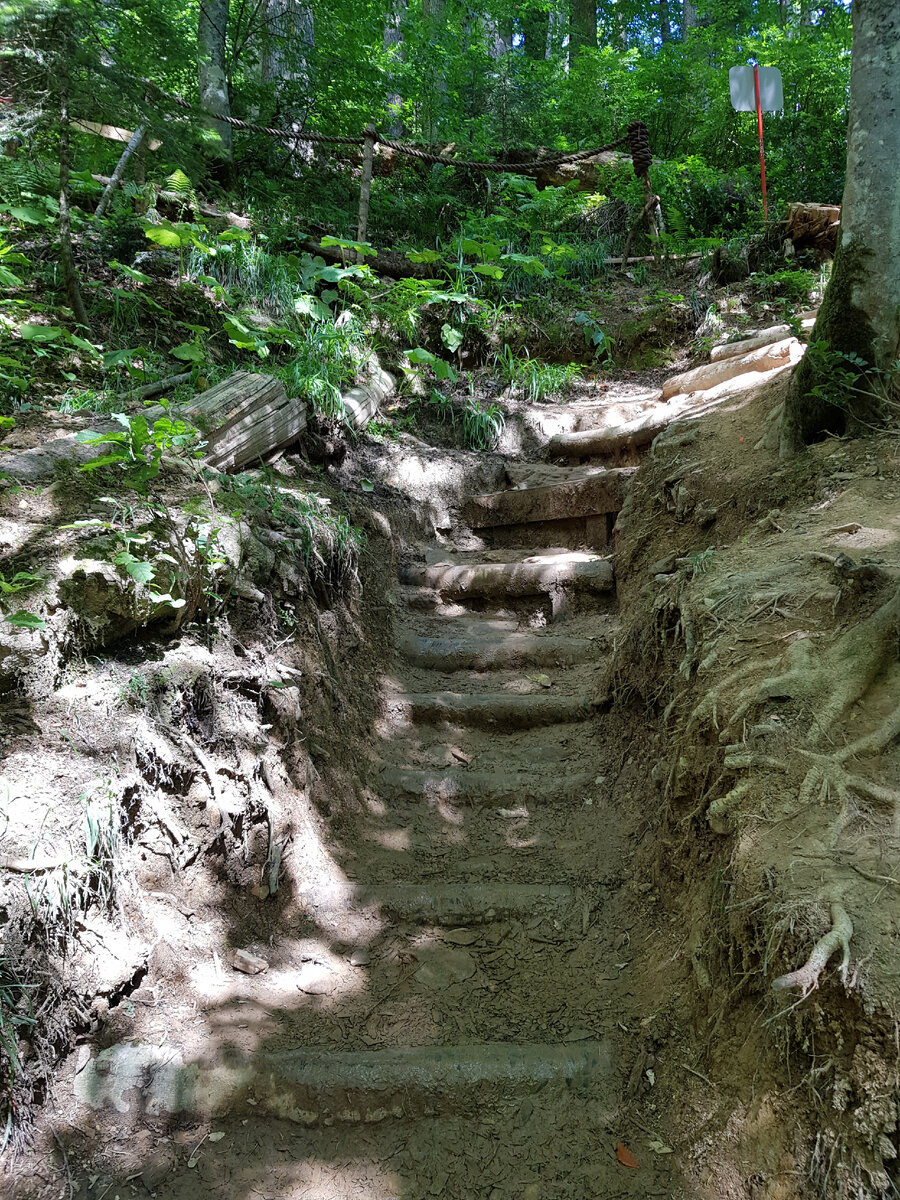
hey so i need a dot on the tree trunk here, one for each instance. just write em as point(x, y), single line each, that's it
point(212, 81)
point(860, 312)
point(536, 32)
point(688, 18)
point(393, 36)
point(66, 254)
point(433, 14)
point(288, 38)
point(582, 26)
point(665, 25)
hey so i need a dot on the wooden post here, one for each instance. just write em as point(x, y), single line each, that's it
point(762, 153)
point(365, 187)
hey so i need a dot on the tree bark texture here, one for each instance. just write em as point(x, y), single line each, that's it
point(212, 81)
point(688, 18)
point(860, 312)
point(66, 254)
point(393, 38)
point(582, 26)
point(665, 25)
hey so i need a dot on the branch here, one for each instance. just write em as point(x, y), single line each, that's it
point(136, 138)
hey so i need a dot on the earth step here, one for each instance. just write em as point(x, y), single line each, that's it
point(540, 574)
point(485, 654)
point(321, 1086)
point(602, 492)
point(481, 787)
point(492, 709)
point(446, 903)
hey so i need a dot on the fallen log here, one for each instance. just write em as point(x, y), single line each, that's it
point(710, 374)
point(640, 432)
point(361, 403)
point(244, 418)
point(753, 341)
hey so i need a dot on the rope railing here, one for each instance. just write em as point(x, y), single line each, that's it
point(637, 138)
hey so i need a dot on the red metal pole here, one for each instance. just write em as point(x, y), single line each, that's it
point(762, 155)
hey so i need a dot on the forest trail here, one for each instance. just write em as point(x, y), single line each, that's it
point(465, 997)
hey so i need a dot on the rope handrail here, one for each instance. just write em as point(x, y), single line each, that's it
point(636, 137)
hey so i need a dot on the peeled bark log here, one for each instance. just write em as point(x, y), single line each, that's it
point(765, 337)
point(710, 374)
point(244, 419)
point(361, 403)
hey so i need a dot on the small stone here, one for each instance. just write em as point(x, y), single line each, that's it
point(360, 958)
point(441, 968)
point(261, 892)
point(247, 963)
point(460, 937)
point(316, 980)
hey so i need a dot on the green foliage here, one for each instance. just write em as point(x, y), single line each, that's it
point(842, 378)
point(328, 543)
point(16, 1021)
point(536, 380)
point(794, 286)
point(482, 427)
point(139, 447)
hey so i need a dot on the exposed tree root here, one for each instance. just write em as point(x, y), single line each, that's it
point(837, 938)
point(842, 674)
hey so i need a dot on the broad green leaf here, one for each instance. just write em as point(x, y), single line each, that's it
point(138, 276)
point(8, 278)
point(104, 460)
point(420, 355)
point(82, 344)
point(138, 569)
point(26, 620)
point(489, 269)
point(113, 358)
point(40, 333)
point(163, 236)
point(452, 338)
point(30, 216)
point(424, 256)
point(311, 306)
point(189, 352)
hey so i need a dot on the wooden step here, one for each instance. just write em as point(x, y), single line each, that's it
point(496, 654)
point(481, 788)
point(313, 1086)
point(597, 494)
point(491, 710)
point(533, 576)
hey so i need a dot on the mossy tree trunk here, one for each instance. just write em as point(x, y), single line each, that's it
point(860, 312)
point(212, 79)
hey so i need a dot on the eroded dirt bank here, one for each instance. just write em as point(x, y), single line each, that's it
point(522, 855)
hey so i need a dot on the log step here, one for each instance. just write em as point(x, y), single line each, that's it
point(444, 903)
point(484, 654)
point(478, 788)
point(602, 492)
point(535, 576)
point(320, 1086)
point(701, 379)
point(493, 710)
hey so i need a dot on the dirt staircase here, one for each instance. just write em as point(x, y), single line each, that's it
point(486, 845)
point(460, 1037)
